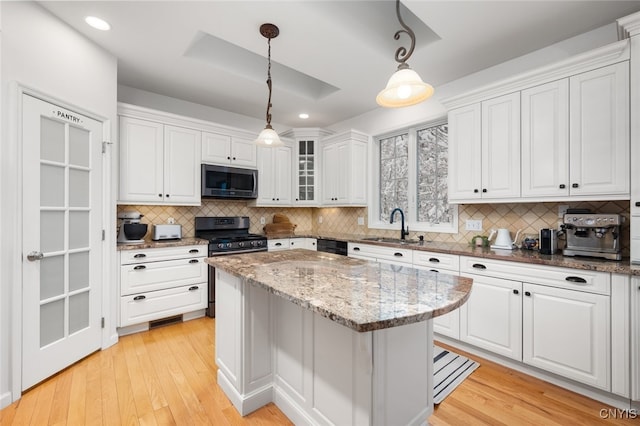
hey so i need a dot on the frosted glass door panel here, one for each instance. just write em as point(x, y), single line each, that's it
point(51, 277)
point(78, 270)
point(51, 185)
point(78, 312)
point(78, 230)
point(52, 140)
point(51, 231)
point(79, 188)
point(78, 147)
point(51, 322)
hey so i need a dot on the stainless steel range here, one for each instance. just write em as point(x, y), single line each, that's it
point(227, 235)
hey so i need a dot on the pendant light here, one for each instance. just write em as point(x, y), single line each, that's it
point(405, 87)
point(269, 137)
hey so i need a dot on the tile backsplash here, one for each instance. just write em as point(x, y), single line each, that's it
point(529, 217)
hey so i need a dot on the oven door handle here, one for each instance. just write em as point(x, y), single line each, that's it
point(224, 253)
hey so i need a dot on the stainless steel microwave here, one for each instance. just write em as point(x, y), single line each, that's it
point(229, 182)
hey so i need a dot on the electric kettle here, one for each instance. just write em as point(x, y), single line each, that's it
point(503, 239)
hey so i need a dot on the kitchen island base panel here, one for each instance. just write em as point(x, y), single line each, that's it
point(322, 372)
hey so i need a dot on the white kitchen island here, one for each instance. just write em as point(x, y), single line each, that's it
point(329, 339)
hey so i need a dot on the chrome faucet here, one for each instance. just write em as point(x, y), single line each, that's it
point(402, 230)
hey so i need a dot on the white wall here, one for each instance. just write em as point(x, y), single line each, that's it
point(383, 120)
point(41, 52)
point(152, 100)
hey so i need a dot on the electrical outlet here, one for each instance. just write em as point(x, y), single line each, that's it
point(562, 209)
point(473, 225)
point(360, 220)
point(319, 219)
point(262, 220)
point(171, 221)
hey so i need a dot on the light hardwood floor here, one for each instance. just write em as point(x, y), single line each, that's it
point(167, 376)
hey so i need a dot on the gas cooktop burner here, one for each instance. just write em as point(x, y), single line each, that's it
point(228, 235)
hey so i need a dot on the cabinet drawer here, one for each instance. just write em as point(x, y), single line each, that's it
point(154, 305)
point(137, 278)
point(278, 244)
point(166, 253)
point(572, 279)
point(442, 261)
point(380, 253)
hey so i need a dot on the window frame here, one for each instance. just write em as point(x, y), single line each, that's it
point(374, 184)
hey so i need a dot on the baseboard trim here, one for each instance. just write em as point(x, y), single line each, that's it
point(248, 403)
point(5, 400)
point(290, 408)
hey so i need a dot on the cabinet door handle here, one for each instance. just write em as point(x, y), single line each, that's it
point(434, 260)
point(194, 251)
point(194, 261)
point(637, 203)
point(193, 288)
point(142, 297)
point(576, 280)
point(277, 244)
point(515, 291)
point(434, 270)
point(479, 266)
point(137, 268)
point(356, 249)
point(527, 293)
point(574, 185)
point(398, 254)
point(563, 186)
point(139, 255)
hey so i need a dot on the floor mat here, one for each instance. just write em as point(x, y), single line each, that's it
point(449, 370)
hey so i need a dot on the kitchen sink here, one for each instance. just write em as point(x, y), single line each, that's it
point(391, 240)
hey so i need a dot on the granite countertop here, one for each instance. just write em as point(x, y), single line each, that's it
point(518, 255)
point(150, 244)
point(358, 294)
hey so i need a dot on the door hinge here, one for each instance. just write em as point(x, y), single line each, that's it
point(103, 235)
point(104, 146)
point(102, 322)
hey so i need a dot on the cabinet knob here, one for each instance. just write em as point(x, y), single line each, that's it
point(160, 195)
point(563, 186)
point(234, 158)
point(475, 191)
point(574, 185)
point(297, 199)
point(277, 199)
point(527, 293)
point(228, 158)
point(484, 189)
point(167, 195)
point(273, 199)
point(515, 291)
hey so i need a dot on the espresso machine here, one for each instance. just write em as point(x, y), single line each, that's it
point(594, 235)
point(131, 231)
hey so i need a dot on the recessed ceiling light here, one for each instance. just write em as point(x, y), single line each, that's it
point(97, 23)
point(304, 116)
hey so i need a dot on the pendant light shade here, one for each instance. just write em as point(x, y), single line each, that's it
point(269, 137)
point(405, 87)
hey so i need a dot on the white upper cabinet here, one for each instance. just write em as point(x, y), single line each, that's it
point(159, 164)
point(557, 133)
point(465, 171)
point(274, 176)
point(545, 140)
point(344, 169)
point(228, 150)
point(484, 153)
point(501, 147)
point(599, 131)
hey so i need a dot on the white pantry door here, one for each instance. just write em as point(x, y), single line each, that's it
point(62, 238)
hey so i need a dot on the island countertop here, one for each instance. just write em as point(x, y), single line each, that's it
point(358, 294)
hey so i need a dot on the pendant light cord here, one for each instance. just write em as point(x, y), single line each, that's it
point(269, 85)
point(402, 54)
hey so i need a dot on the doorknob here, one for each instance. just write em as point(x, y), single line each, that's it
point(35, 255)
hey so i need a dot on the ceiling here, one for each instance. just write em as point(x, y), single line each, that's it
point(331, 57)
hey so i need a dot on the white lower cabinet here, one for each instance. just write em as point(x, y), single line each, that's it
point(567, 332)
point(492, 317)
point(635, 338)
point(161, 282)
point(278, 244)
point(304, 243)
point(380, 253)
